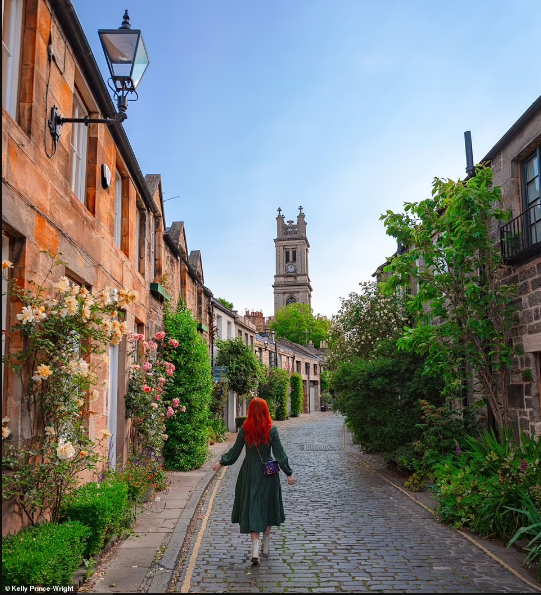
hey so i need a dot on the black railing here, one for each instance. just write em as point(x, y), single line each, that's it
point(521, 237)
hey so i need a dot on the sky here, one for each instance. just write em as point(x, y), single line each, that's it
point(346, 107)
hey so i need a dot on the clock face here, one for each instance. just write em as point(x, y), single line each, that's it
point(290, 268)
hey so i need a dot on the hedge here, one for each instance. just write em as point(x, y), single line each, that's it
point(103, 507)
point(297, 394)
point(44, 555)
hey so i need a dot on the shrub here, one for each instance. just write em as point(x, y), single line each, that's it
point(219, 428)
point(274, 388)
point(297, 394)
point(187, 444)
point(239, 421)
point(380, 397)
point(531, 531)
point(141, 471)
point(44, 555)
point(103, 507)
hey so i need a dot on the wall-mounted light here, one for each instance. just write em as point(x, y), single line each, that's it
point(127, 59)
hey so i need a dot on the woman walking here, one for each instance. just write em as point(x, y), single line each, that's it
point(258, 502)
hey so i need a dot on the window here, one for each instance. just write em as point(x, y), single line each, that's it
point(315, 369)
point(287, 256)
point(154, 247)
point(240, 334)
point(251, 339)
point(307, 368)
point(298, 367)
point(261, 354)
point(12, 18)
point(229, 330)
point(294, 256)
point(246, 338)
point(5, 256)
point(219, 327)
point(118, 209)
point(78, 142)
point(291, 300)
point(531, 197)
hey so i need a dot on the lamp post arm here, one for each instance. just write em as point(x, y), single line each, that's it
point(57, 121)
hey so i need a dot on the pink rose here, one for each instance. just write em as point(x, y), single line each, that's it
point(152, 346)
point(173, 342)
point(161, 379)
point(157, 398)
point(183, 408)
point(160, 336)
point(176, 403)
point(170, 412)
point(155, 405)
point(146, 388)
point(147, 366)
point(136, 367)
point(145, 344)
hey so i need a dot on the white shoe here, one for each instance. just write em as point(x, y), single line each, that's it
point(255, 551)
point(265, 548)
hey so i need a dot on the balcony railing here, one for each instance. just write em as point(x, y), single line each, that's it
point(521, 237)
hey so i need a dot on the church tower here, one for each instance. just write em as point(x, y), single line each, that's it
point(291, 282)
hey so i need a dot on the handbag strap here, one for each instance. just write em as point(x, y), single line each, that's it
point(259, 454)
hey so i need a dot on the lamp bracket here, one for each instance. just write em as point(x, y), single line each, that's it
point(57, 121)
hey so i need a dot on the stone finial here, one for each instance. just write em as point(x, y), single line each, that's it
point(279, 212)
point(300, 211)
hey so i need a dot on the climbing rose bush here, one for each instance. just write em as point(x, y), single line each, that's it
point(64, 331)
point(146, 401)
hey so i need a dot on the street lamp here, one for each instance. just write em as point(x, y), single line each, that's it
point(127, 59)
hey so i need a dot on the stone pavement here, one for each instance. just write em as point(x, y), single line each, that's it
point(145, 561)
point(347, 530)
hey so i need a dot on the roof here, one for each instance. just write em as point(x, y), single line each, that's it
point(520, 123)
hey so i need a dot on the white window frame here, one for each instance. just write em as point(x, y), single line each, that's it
point(118, 209)
point(78, 148)
point(12, 26)
point(112, 409)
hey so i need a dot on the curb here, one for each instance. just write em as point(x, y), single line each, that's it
point(164, 572)
point(471, 539)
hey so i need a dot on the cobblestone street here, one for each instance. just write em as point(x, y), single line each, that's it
point(346, 530)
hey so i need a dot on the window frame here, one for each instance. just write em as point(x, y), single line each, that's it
point(78, 149)
point(117, 232)
point(11, 53)
point(525, 204)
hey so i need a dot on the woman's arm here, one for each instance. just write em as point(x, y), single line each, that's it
point(233, 454)
point(279, 452)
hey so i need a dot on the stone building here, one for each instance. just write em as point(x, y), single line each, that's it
point(85, 199)
point(292, 280)
point(191, 281)
point(515, 162)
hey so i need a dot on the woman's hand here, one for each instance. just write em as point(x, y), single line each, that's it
point(217, 466)
point(291, 480)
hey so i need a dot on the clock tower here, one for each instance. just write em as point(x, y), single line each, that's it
point(291, 282)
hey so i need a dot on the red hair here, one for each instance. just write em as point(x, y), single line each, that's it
point(258, 424)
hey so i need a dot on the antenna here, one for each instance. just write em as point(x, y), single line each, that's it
point(178, 196)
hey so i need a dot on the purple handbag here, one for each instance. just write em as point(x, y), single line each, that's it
point(269, 468)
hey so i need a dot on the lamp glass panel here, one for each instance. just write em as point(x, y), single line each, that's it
point(120, 48)
point(141, 62)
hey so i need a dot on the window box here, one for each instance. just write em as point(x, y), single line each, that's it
point(159, 291)
point(202, 327)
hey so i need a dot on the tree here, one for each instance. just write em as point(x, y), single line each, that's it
point(365, 319)
point(227, 304)
point(244, 370)
point(298, 324)
point(187, 445)
point(463, 313)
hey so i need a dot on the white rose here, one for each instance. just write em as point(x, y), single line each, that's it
point(65, 450)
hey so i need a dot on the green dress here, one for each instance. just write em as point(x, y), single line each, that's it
point(258, 497)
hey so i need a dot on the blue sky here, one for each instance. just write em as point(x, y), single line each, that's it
point(346, 107)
